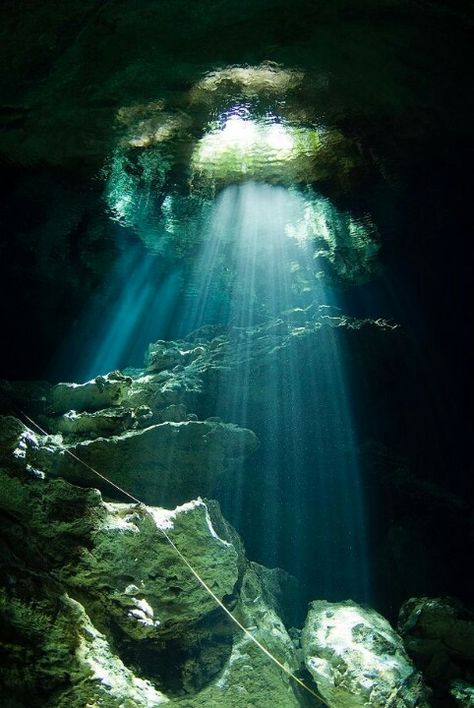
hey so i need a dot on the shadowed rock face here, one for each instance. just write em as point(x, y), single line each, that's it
point(168, 462)
point(439, 636)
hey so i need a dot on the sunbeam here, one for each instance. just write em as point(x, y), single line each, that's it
point(304, 483)
point(133, 307)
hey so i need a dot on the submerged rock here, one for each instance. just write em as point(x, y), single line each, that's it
point(166, 464)
point(249, 677)
point(357, 660)
point(174, 413)
point(14, 436)
point(142, 616)
point(439, 636)
point(108, 421)
point(99, 609)
point(133, 574)
point(63, 660)
point(102, 392)
point(169, 355)
point(96, 673)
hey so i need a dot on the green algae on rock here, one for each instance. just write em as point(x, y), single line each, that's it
point(92, 583)
point(462, 693)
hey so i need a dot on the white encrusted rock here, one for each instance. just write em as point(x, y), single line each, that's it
point(357, 660)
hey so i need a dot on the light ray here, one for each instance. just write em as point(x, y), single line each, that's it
point(300, 500)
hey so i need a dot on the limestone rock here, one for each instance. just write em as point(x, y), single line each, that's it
point(99, 610)
point(439, 636)
point(109, 421)
point(163, 464)
point(101, 392)
point(52, 653)
point(167, 388)
point(249, 677)
point(357, 660)
point(165, 355)
point(96, 673)
point(19, 446)
point(175, 413)
point(13, 436)
point(280, 591)
point(65, 652)
point(134, 575)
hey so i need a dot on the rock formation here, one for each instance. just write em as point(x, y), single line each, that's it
point(439, 636)
point(96, 601)
point(356, 658)
point(98, 607)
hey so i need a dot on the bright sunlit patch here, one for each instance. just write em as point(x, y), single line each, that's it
point(246, 139)
point(239, 146)
point(280, 138)
point(265, 79)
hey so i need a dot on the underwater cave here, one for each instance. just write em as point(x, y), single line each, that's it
point(235, 390)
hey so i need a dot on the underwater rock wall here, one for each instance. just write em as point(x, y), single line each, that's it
point(97, 606)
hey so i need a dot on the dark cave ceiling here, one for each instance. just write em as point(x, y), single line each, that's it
point(391, 72)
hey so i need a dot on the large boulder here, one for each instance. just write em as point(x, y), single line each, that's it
point(164, 464)
point(357, 660)
point(439, 635)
